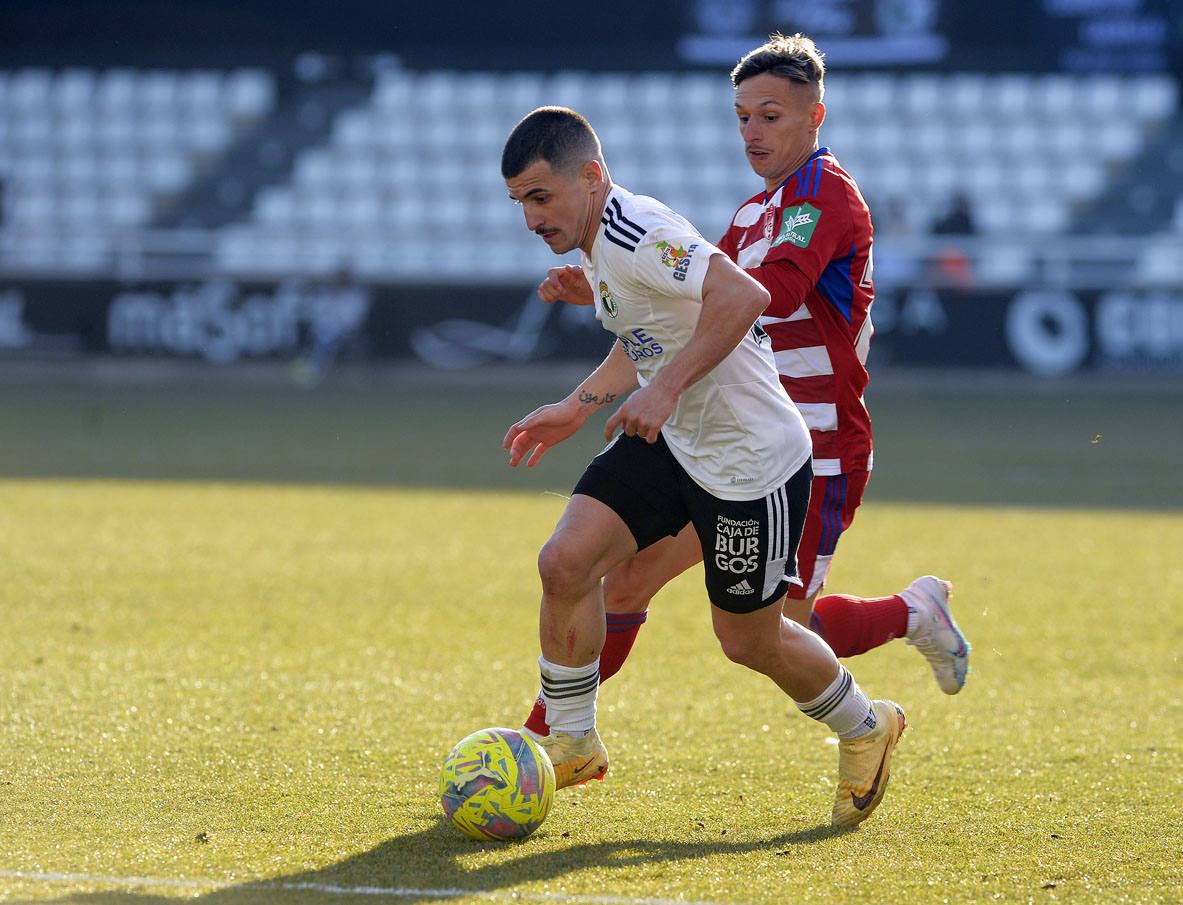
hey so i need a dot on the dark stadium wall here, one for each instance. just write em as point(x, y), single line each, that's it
point(1045, 332)
point(984, 35)
point(458, 35)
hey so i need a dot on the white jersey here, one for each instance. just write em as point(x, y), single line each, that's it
point(735, 431)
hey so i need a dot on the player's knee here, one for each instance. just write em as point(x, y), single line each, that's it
point(745, 648)
point(562, 571)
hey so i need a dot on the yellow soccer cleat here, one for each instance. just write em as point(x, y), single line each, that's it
point(864, 765)
point(575, 759)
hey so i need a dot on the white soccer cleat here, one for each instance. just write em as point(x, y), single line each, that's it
point(936, 635)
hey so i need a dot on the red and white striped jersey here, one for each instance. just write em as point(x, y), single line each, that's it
point(809, 244)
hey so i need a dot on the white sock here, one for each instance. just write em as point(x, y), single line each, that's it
point(843, 707)
point(570, 694)
point(913, 620)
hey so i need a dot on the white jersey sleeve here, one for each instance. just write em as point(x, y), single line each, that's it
point(672, 261)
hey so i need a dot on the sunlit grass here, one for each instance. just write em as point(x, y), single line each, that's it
point(255, 684)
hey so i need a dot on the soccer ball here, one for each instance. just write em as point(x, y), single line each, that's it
point(497, 784)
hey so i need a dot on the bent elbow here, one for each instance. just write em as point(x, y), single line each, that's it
point(760, 299)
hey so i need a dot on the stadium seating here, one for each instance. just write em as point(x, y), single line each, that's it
point(87, 155)
point(407, 185)
point(1160, 262)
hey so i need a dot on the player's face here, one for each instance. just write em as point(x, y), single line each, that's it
point(778, 120)
point(556, 206)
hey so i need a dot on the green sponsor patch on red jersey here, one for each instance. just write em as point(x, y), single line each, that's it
point(797, 225)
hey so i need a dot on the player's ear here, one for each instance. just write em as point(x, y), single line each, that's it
point(818, 116)
point(593, 173)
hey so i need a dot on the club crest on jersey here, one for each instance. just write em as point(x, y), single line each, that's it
point(797, 225)
point(607, 300)
point(676, 258)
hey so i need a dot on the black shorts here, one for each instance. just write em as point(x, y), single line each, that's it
point(749, 546)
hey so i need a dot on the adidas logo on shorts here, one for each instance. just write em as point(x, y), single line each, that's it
point(742, 588)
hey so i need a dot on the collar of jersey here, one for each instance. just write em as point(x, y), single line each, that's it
point(818, 153)
point(615, 191)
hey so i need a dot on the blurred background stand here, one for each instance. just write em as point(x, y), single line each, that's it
point(170, 172)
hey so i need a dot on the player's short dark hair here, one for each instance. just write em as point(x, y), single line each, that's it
point(557, 135)
point(792, 57)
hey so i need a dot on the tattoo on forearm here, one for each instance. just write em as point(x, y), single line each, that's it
point(592, 398)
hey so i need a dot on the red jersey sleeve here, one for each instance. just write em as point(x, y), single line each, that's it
point(809, 244)
point(729, 244)
point(813, 224)
point(787, 285)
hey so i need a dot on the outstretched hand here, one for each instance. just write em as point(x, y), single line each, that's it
point(566, 284)
point(539, 431)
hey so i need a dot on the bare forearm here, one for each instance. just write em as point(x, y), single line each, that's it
point(528, 439)
point(614, 377)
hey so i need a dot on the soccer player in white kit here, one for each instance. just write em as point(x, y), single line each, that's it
point(709, 439)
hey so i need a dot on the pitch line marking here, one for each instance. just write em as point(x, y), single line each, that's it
point(331, 889)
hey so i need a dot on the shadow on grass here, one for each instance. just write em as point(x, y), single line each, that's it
point(423, 867)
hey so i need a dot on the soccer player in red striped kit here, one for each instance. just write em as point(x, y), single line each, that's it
point(807, 238)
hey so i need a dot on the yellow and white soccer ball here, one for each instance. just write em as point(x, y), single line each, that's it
point(497, 784)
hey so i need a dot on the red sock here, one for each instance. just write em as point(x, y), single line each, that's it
point(622, 632)
point(855, 625)
point(536, 721)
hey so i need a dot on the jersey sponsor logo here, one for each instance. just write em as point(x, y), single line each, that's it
point(607, 300)
point(676, 258)
point(741, 587)
point(737, 545)
point(797, 225)
point(638, 344)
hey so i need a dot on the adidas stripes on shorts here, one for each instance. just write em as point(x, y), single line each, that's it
point(749, 546)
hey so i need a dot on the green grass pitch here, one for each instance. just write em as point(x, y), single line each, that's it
point(243, 627)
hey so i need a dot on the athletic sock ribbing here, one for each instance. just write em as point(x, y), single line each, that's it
point(843, 707)
point(621, 632)
point(570, 695)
